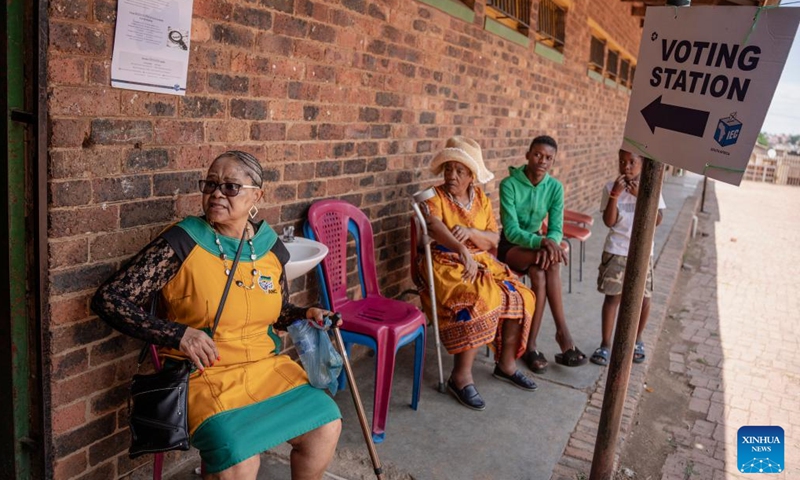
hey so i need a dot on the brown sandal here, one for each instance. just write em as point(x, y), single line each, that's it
point(535, 361)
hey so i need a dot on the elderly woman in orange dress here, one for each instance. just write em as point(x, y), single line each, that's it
point(479, 301)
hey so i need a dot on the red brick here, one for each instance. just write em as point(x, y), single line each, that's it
point(290, 26)
point(68, 133)
point(85, 163)
point(69, 310)
point(212, 9)
point(146, 212)
point(205, 107)
point(69, 417)
point(176, 132)
point(70, 194)
point(226, 34)
point(147, 160)
point(115, 132)
point(79, 39)
point(101, 472)
point(252, 17)
point(302, 131)
point(186, 205)
point(68, 252)
point(79, 386)
point(105, 11)
point(120, 244)
point(71, 466)
point(299, 171)
point(268, 131)
point(65, 223)
point(227, 131)
point(66, 70)
point(81, 101)
point(268, 87)
point(142, 104)
point(338, 186)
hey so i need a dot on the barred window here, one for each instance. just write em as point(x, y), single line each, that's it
point(597, 55)
point(552, 22)
point(513, 12)
point(633, 72)
point(612, 64)
point(624, 67)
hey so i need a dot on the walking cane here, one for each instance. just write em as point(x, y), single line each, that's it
point(362, 417)
point(420, 197)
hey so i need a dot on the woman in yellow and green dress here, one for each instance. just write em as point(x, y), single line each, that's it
point(479, 300)
point(244, 397)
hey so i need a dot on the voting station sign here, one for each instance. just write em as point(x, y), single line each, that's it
point(704, 82)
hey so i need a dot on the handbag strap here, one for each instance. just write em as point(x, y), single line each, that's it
point(154, 302)
point(228, 283)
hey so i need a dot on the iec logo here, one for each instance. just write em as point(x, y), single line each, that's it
point(728, 130)
point(760, 449)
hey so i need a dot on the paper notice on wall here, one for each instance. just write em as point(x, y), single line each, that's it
point(151, 45)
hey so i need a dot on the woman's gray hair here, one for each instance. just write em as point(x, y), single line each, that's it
point(250, 163)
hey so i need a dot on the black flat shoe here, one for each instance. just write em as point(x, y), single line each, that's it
point(518, 379)
point(467, 396)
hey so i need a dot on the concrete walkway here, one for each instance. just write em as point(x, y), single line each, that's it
point(520, 435)
point(740, 333)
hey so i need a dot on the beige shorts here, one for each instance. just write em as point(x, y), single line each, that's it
point(612, 272)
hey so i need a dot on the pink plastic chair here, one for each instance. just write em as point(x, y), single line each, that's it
point(380, 323)
point(158, 458)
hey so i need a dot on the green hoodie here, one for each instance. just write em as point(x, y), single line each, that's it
point(524, 206)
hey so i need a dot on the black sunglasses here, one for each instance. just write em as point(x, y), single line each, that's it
point(229, 189)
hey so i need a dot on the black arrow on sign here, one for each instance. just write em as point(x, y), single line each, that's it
point(675, 118)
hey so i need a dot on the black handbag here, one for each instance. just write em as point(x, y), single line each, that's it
point(158, 404)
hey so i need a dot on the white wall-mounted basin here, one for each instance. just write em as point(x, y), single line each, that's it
point(304, 254)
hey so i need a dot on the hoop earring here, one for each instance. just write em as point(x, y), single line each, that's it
point(253, 211)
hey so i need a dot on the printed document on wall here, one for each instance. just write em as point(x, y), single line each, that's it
point(151, 45)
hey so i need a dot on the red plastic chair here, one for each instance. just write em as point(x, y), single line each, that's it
point(573, 231)
point(380, 323)
point(577, 217)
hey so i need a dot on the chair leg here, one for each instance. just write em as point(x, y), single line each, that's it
point(580, 277)
point(419, 360)
point(384, 374)
point(158, 465)
point(570, 264)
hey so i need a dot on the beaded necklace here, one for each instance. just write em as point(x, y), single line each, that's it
point(255, 272)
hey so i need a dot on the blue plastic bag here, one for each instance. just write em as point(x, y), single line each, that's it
point(322, 362)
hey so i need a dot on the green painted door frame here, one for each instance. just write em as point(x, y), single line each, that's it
point(23, 442)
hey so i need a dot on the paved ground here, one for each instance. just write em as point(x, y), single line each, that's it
point(739, 331)
point(520, 435)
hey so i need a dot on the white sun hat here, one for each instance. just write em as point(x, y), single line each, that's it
point(465, 151)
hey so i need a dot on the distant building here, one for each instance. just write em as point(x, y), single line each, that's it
point(782, 169)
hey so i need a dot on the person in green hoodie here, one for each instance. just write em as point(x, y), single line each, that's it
point(532, 203)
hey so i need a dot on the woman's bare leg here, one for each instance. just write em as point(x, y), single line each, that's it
point(244, 470)
point(563, 336)
point(313, 451)
point(462, 368)
point(508, 357)
point(523, 259)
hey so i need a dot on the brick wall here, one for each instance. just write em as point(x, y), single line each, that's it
point(338, 98)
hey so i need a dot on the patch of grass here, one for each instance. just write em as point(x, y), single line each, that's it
point(581, 476)
point(689, 470)
point(672, 443)
point(714, 334)
point(702, 361)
